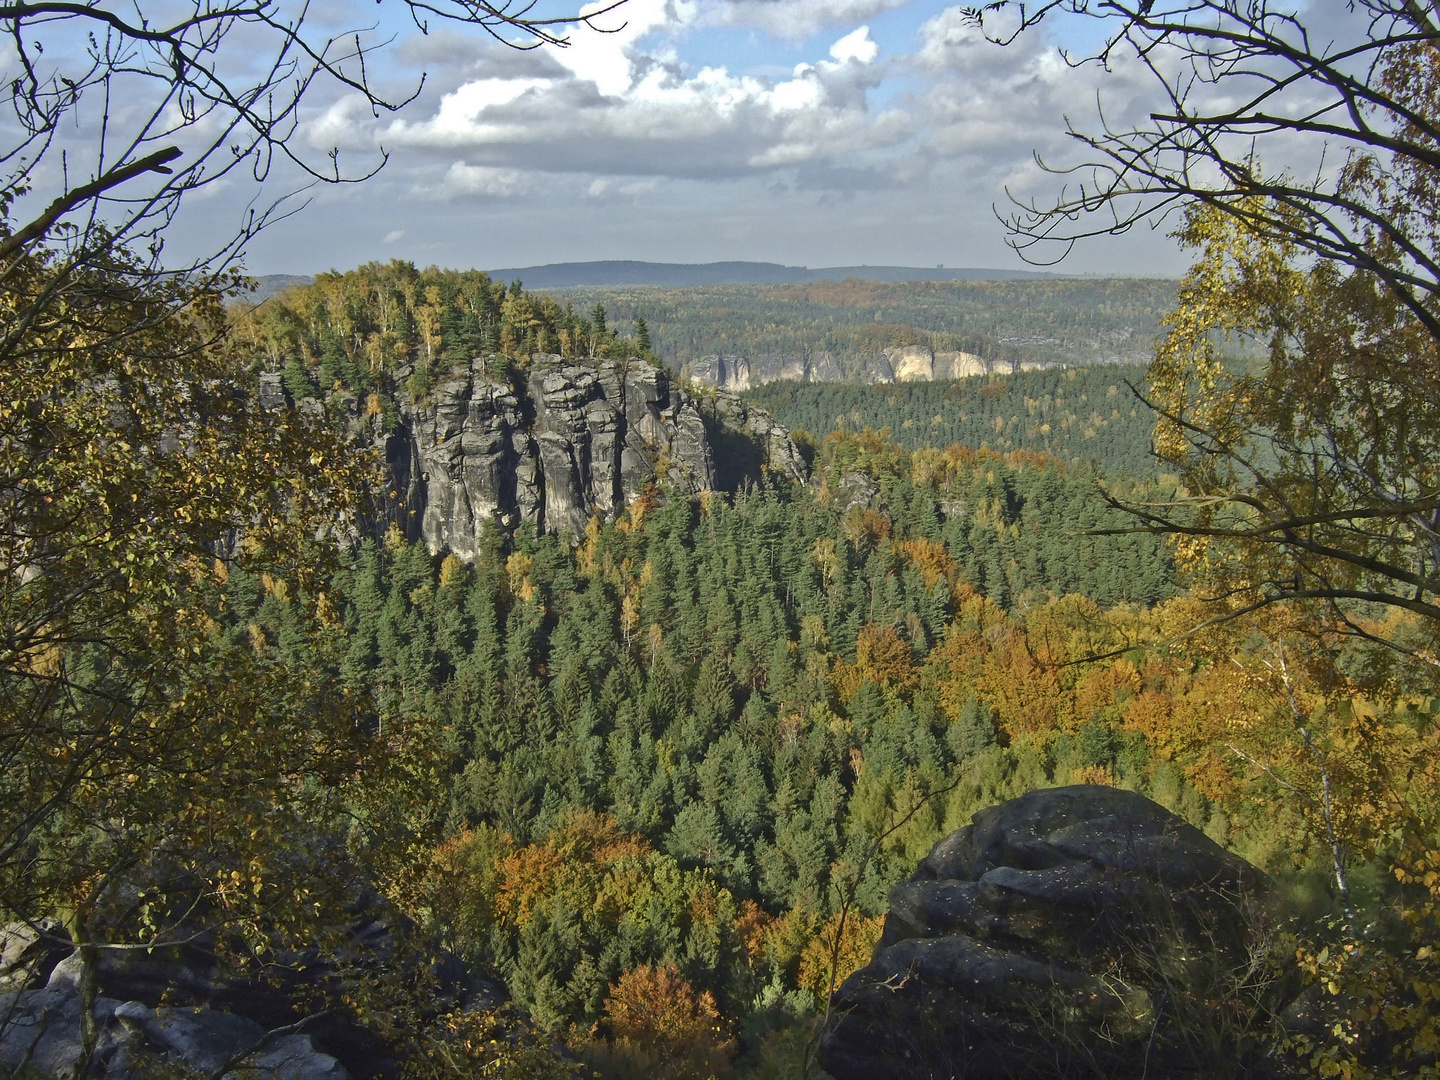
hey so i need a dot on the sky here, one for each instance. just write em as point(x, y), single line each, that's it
point(805, 132)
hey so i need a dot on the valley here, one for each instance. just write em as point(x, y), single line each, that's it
point(660, 690)
point(740, 336)
point(728, 669)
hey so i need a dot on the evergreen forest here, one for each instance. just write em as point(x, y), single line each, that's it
point(1077, 321)
point(628, 800)
point(1073, 414)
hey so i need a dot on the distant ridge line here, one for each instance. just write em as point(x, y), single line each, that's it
point(684, 275)
point(680, 275)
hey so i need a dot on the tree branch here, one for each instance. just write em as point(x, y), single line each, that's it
point(36, 230)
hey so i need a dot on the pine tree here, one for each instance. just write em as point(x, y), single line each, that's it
point(974, 731)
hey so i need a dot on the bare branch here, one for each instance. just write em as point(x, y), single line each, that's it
point(36, 230)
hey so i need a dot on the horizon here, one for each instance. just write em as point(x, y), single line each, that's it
point(814, 134)
point(1024, 274)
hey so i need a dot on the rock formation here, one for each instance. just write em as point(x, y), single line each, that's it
point(725, 372)
point(906, 363)
point(40, 1025)
point(575, 440)
point(29, 952)
point(740, 373)
point(179, 1005)
point(1080, 931)
point(917, 363)
point(749, 444)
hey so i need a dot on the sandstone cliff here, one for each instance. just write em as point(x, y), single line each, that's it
point(565, 441)
point(909, 363)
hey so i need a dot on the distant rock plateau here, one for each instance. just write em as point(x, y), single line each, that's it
point(909, 363)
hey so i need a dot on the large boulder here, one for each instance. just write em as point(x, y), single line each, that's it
point(29, 951)
point(1077, 931)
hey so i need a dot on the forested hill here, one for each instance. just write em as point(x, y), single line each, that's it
point(495, 407)
point(682, 275)
point(1075, 414)
point(846, 325)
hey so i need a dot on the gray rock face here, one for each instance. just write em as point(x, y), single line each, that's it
point(723, 372)
point(580, 440)
point(42, 1032)
point(749, 443)
point(29, 952)
point(739, 373)
point(854, 489)
point(1081, 931)
point(272, 392)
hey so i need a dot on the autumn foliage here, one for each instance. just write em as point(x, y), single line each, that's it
point(661, 1027)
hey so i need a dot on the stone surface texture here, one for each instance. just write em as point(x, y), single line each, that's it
point(30, 951)
point(1079, 931)
point(573, 440)
point(179, 1006)
point(135, 1040)
point(726, 372)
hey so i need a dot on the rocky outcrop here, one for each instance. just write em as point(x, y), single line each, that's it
point(568, 441)
point(30, 951)
point(917, 363)
point(1071, 932)
point(906, 363)
point(740, 373)
point(748, 443)
point(723, 372)
point(41, 1032)
point(181, 1005)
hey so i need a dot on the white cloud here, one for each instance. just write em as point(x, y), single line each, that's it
point(608, 59)
point(468, 180)
point(796, 20)
point(651, 118)
point(624, 105)
point(604, 186)
point(394, 236)
point(347, 124)
point(857, 45)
